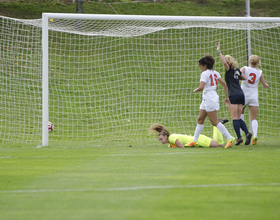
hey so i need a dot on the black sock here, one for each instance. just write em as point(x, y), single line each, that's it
point(243, 126)
point(236, 126)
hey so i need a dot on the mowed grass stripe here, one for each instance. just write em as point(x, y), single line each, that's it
point(133, 155)
point(140, 188)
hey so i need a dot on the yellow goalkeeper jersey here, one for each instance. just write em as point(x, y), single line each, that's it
point(185, 139)
point(203, 141)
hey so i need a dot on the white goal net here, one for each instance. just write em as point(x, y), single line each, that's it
point(109, 80)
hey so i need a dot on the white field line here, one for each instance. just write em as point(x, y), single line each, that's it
point(137, 188)
point(111, 155)
point(155, 154)
point(127, 155)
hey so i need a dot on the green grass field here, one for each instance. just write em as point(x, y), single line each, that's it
point(93, 177)
point(139, 182)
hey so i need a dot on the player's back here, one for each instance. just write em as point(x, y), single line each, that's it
point(210, 78)
point(250, 86)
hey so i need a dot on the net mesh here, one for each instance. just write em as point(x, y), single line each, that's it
point(110, 80)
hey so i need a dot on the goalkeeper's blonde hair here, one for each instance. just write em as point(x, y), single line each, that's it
point(231, 61)
point(159, 129)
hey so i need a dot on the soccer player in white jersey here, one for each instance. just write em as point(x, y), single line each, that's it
point(250, 88)
point(209, 79)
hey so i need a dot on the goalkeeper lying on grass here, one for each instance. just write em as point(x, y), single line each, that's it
point(180, 140)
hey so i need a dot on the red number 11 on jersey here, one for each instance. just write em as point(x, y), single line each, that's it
point(212, 80)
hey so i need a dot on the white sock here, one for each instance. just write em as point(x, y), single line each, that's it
point(224, 131)
point(197, 132)
point(242, 117)
point(255, 128)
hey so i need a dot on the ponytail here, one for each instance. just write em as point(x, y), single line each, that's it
point(159, 129)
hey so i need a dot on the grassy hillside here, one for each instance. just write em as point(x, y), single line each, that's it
point(34, 9)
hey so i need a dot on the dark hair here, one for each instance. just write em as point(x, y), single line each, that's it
point(208, 60)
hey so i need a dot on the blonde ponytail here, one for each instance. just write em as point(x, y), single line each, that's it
point(159, 129)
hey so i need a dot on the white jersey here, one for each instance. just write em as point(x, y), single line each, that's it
point(250, 86)
point(210, 77)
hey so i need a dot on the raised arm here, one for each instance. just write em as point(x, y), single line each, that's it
point(222, 57)
point(265, 85)
point(225, 89)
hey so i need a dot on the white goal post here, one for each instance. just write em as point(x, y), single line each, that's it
point(105, 78)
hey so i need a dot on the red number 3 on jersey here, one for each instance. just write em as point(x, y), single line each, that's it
point(212, 80)
point(252, 78)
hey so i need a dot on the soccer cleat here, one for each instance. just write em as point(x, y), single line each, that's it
point(239, 141)
point(223, 121)
point(254, 141)
point(191, 144)
point(248, 138)
point(230, 143)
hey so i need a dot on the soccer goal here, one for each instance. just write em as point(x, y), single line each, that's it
point(104, 78)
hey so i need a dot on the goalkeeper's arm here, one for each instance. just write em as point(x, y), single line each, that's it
point(177, 144)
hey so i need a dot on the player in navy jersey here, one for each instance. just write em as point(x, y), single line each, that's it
point(236, 96)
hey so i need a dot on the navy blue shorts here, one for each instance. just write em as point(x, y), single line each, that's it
point(237, 99)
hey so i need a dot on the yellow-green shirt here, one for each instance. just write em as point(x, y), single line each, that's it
point(185, 139)
point(203, 141)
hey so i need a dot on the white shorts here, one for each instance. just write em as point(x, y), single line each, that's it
point(210, 106)
point(252, 102)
